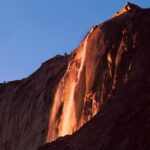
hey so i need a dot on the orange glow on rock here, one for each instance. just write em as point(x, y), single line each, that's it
point(66, 122)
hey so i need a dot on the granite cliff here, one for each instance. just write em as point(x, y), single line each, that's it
point(96, 98)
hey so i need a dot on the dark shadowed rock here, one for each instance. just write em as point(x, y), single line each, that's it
point(25, 106)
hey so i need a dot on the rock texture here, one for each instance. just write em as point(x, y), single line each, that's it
point(101, 91)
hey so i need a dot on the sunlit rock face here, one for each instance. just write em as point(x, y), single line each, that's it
point(67, 113)
point(96, 68)
point(114, 84)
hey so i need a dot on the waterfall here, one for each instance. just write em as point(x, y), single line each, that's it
point(66, 123)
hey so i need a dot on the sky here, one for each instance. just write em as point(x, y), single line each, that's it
point(33, 31)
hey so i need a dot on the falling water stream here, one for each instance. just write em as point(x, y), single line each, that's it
point(66, 123)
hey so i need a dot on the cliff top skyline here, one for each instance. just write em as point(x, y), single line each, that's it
point(32, 32)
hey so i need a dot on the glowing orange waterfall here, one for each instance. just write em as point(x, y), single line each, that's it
point(66, 122)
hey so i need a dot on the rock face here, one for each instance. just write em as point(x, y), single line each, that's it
point(25, 106)
point(101, 91)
